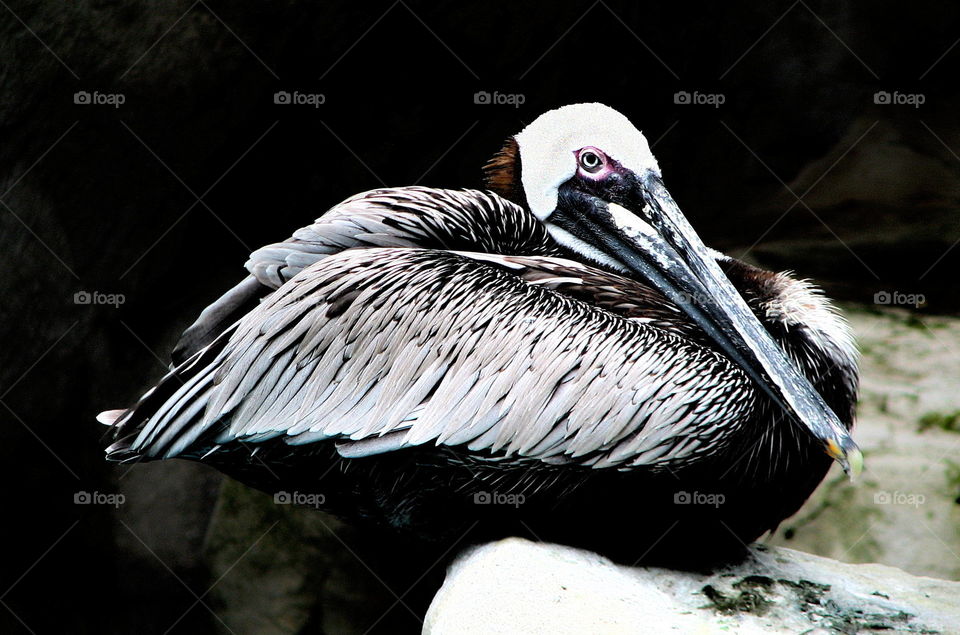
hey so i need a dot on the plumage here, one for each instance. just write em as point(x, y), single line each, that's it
point(458, 341)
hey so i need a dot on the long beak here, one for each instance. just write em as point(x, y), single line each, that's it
point(656, 242)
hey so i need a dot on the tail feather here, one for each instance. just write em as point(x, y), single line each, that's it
point(110, 417)
point(169, 418)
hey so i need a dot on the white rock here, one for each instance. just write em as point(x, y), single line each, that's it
point(517, 586)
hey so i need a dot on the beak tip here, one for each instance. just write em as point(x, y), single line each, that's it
point(848, 455)
point(853, 465)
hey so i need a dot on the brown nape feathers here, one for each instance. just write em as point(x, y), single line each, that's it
point(501, 174)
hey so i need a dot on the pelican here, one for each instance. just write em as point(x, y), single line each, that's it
point(560, 351)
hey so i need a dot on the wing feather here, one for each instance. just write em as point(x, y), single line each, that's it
point(388, 348)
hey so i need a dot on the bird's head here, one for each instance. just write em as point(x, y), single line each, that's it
point(589, 176)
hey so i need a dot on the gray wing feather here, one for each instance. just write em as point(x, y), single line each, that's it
point(216, 317)
point(421, 217)
point(441, 348)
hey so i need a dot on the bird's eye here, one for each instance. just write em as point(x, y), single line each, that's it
point(590, 161)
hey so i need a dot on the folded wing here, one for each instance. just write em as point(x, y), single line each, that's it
point(385, 349)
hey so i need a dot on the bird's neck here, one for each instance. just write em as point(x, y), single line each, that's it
point(808, 328)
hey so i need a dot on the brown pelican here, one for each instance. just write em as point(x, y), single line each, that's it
point(561, 350)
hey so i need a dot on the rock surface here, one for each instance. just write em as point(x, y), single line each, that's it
point(517, 586)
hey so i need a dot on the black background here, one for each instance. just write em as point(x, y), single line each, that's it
point(96, 198)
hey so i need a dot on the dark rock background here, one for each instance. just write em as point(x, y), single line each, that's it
point(97, 198)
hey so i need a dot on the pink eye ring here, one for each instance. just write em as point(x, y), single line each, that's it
point(591, 160)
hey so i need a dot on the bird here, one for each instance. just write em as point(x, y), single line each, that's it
point(556, 354)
